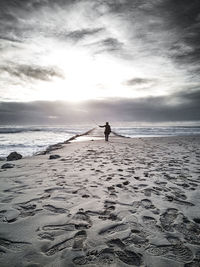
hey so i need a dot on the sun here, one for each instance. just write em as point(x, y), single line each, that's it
point(86, 77)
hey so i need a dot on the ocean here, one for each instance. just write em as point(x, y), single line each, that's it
point(29, 140)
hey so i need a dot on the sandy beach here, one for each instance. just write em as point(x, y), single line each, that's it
point(126, 202)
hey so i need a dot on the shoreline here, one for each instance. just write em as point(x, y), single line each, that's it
point(60, 144)
point(77, 137)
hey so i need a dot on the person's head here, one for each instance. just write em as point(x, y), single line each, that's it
point(107, 123)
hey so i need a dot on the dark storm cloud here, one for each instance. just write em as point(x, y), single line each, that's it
point(190, 97)
point(170, 27)
point(16, 17)
point(39, 112)
point(33, 72)
point(183, 18)
point(20, 20)
point(179, 107)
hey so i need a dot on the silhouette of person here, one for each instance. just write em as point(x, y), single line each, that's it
point(107, 130)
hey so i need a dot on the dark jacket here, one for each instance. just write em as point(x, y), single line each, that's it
point(107, 129)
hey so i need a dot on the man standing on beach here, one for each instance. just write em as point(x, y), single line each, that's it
point(107, 130)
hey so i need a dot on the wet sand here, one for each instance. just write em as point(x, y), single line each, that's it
point(126, 202)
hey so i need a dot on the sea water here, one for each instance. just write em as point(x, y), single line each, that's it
point(28, 140)
point(157, 131)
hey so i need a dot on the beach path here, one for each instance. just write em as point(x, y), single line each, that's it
point(126, 202)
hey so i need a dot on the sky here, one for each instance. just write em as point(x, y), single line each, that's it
point(120, 60)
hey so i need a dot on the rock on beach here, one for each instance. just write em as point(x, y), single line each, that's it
point(54, 156)
point(14, 156)
point(7, 166)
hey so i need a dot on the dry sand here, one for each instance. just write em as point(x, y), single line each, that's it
point(118, 203)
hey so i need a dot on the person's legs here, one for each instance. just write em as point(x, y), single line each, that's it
point(106, 137)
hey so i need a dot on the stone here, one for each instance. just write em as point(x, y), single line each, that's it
point(54, 156)
point(7, 166)
point(14, 156)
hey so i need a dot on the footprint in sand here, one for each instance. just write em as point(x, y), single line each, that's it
point(7, 199)
point(47, 236)
point(136, 240)
point(173, 239)
point(79, 239)
point(177, 252)
point(147, 192)
point(135, 205)
point(49, 232)
point(151, 223)
point(107, 213)
point(81, 220)
point(147, 204)
point(111, 190)
point(67, 243)
point(190, 231)
point(129, 257)
point(13, 245)
point(167, 219)
point(113, 229)
point(99, 258)
point(54, 209)
point(178, 193)
point(116, 243)
point(27, 210)
point(158, 250)
point(172, 198)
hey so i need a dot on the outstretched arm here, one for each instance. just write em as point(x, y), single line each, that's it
point(101, 126)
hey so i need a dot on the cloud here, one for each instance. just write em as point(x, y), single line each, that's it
point(10, 39)
point(82, 33)
point(107, 45)
point(139, 81)
point(31, 72)
point(183, 19)
point(166, 27)
point(111, 44)
point(179, 107)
